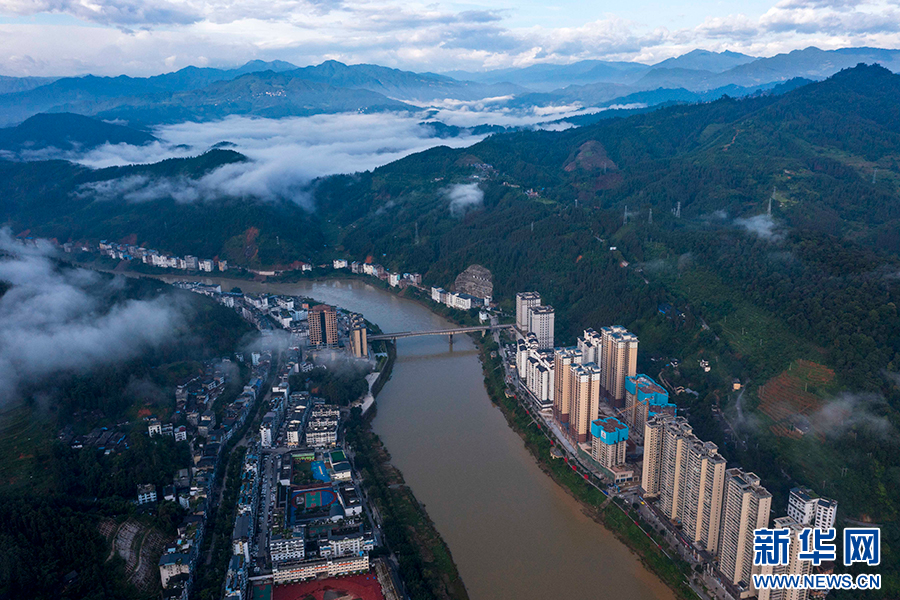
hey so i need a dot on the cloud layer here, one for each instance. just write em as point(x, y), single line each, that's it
point(287, 154)
point(52, 320)
point(62, 37)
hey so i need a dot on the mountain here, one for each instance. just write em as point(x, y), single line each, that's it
point(547, 77)
point(704, 60)
point(81, 94)
point(402, 85)
point(22, 84)
point(266, 94)
point(67, 131)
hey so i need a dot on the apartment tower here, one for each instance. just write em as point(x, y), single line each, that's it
point(619, 360)
point(585, 390)
point(562, 388)
point(540, 323)
point(608, 441)
point(359, 345)
point(746, 508)
point(524, 302)
point(704, 490)
point(794, 566)
point(323, 326)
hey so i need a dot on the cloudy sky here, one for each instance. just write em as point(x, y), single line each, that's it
point(142, 37)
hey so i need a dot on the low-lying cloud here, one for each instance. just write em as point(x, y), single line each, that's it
point(464, 197)
point(286, 155)
point(763, 226)
point(53, 319)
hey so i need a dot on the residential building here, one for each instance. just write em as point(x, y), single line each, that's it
point(181, 433)
point(394, 279)
point(540, 323)
point(746, 508)
point(808, 509)
point(146, 494)
point(644, 397)
point(206, 265)
point(524, 302)
point(563, 358)
point(590, 346)
point(154, 428)
point(585, 407)
point(323, 326)
point(608, 441)
point(703, 494)
point(619, 356)
point(359, 344)
point(173, 564)
point(339, 263)
point(794, 565)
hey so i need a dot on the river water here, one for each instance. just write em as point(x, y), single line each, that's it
point(514, 533)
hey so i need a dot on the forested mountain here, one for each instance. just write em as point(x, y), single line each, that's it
point(67, 131)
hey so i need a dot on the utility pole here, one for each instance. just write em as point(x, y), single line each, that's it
point(625, 216)
point(874, 174)
point(650, 218)
point(769, 212)
point(417, 233)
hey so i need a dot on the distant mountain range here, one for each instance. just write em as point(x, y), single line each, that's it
point(279, 89)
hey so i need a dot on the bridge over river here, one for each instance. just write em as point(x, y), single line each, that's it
point(448, 332)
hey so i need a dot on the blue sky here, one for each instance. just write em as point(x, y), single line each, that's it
point(137, 37)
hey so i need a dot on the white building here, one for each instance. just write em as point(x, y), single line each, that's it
point(288, 547)
point(339, 263)
point(154, 428)
point(146, 494)
point(206, 265)
point(524, 302)
point(806, 508)
point(181, 433)
point(540, 322)
point(394, 279)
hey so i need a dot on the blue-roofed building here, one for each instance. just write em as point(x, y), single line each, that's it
point(643, 398)
point(608, 441)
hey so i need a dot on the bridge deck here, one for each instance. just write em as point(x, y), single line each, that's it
point(405, 334)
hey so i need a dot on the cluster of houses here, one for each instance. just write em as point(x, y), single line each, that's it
point(155, 258)
point(458, 300)
point(192, 487)
point(400, 280)
point(244, 526)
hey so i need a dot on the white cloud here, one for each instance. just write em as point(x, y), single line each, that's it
point(52, 319)
point(285, 155)
point(142, 37)
point(464, 197)
point(763, 226)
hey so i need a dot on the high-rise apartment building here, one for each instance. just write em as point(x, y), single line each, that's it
point(323, 326)
point(562, 388)
point(746, 508)
point(359, 344)
point(524, 302)
point(644, 397)
point(675, 442)
point(650, 474)
point(687, 474)
point(608, 441)
point(794, 565)
point(540, 322)
point(703, 494)
point(619, 360)
point(809, 510)
point(585, 390)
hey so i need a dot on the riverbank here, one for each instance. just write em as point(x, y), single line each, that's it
point(426, 566)
point(613, 514)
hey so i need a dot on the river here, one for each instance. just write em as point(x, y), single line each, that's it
point(514, 533)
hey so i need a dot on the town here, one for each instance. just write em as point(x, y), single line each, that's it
point(612, 424)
